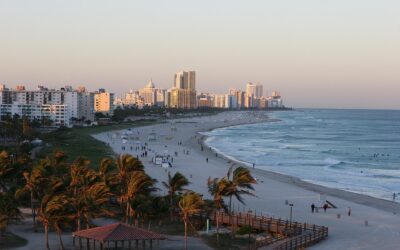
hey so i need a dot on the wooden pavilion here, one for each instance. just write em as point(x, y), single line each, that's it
point(114, 236)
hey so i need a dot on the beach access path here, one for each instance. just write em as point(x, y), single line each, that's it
point(272, 190)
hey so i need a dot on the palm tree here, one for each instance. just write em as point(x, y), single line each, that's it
point(52, 212)
point(218, 188)
point(138, 183)
point(8, 210)
point(240, 182)
point(80, 175)
point(35, 185)
point(105, 168)
point(189, 204)
point(175, 183)
point(126, 164)
point(5, 169)
point(92, 201)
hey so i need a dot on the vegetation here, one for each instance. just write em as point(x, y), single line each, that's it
point(190, 203)
point(66, 195)
point(9, 240)
point(174, 184)
point(226, 242)
point(76, 142)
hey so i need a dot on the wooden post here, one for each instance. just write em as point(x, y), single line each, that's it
point(80, 243)
point(137, 243)
point(87, 243)
point(129, 244)
point(94, 244)
point(144, 244)
point(116, 245)
point(151, 244)
point(101, 245)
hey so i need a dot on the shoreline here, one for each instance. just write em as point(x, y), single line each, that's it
point(273, 189)
point(362, 199)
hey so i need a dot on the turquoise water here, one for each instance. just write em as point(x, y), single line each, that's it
point(354, 150)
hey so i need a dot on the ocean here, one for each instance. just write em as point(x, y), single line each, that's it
point(353, 150)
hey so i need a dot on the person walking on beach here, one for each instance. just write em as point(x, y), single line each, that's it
point(312, 208)
point(325, 207)
point(394, 196)
point(349, 212)
point(254, 165)
point(207, 160)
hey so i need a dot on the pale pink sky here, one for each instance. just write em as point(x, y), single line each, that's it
point(338, 54)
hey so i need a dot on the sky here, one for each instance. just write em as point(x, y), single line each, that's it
point(318, 54)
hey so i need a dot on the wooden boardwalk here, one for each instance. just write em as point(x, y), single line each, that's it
point(289, 235)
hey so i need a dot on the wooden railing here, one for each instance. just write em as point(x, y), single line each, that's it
point(289, 235)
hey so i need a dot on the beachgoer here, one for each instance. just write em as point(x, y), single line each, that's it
point(349, 212)
point(207, 160)
point(394, 196)
point(254, 165)
point(325, 207)
point(312, 208)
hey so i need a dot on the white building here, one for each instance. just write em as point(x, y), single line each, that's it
point(61, 106)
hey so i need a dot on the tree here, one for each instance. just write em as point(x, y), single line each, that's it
point(52, 212)
point(174, 184)
point(6, 169)
point(126, 164)
point(138, 183)
point(33, 183)
point(240, 182)
point(218, 188)
point(105, 170)
point(8, 210)
point(189, 204)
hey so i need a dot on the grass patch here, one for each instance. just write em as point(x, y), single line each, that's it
point(171, 227)
point(9, 240)
point(226, 242)
point(79, 142)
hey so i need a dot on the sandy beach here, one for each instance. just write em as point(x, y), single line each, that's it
point(272, 190)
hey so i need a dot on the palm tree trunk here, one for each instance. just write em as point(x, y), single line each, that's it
point(46, 235)
point(60, 240)
point(230, 204)
point(171, 209)
point(33, 211)
point(78, 221)
point(127, 212)
point(185, 221)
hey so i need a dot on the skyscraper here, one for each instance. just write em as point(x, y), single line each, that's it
point(255, 90)
point(185, 80)
point(183, 93)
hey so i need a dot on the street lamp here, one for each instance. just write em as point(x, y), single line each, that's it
point(291, 213)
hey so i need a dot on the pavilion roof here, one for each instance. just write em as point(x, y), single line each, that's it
point(118, 231)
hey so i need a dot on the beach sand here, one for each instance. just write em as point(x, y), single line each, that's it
point(346, 232)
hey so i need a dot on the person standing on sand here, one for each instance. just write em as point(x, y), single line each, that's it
point(312, 208)
point(207, 160)
point(349, 212)
point(394, 196)
point(325, 207)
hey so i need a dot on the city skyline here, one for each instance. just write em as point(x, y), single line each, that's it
point(321, 55)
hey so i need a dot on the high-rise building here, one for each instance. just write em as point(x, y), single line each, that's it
point(148, 94)
point(255, 90)
point(182, 98)
point(104, 102)
point(185, 80)
point(205, 100)
point(183, 93)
